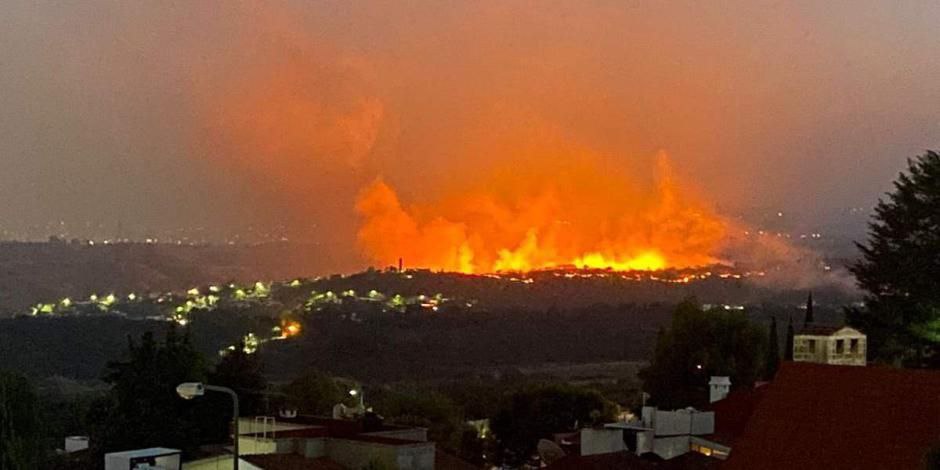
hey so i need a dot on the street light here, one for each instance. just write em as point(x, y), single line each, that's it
point(190, 390)
point(362, 397)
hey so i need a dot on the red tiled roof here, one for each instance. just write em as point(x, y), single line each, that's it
point(291, 462)
point(819, 330)
point(628, 461)
point(841, 417)
point(733, 412)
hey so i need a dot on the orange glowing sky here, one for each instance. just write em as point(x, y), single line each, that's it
point(459, 135)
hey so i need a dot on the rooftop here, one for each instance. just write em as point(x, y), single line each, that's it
point(343, 426)
point(733, 412)
point(144, 453)
point(823, 330)
point(841, 417)
point(353, 430)
point(291, 462)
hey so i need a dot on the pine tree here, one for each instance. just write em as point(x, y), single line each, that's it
point(900, 270)
point(810, 318)
point(773, 351)
point(788, 345)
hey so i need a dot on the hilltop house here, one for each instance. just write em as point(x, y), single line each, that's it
point(830, 345)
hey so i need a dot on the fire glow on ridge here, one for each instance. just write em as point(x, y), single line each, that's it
point(587, 216)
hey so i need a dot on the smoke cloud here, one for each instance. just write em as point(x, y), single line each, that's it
point(472, 116)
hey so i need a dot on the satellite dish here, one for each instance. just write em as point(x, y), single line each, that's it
point(549, 452)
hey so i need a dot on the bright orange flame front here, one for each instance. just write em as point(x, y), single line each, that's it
point(586, 216)
point(290, 328)
point(647, 261)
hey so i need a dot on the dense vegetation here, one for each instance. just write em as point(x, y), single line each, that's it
point(140, 408)
point(80, 347)
point(534, 413)
point(21, 432)
point(372, 345)
point(383, 347)
point(900, 270)
point(700, 344)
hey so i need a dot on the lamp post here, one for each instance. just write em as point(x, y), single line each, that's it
point(190, 390)
point(362, 398)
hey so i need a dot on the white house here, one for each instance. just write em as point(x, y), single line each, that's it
point(155, 458)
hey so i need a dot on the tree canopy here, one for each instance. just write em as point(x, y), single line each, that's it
point(429, 409)
point(900, 270)
point(242, 372)
point(699, 344)
point(537, 412)
point(314, 393)
point(20, 429)
point(143, 409)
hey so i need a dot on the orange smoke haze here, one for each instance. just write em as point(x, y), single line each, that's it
point(492, 175)
point(482, 149)
point(298, 113)
point(586, 214)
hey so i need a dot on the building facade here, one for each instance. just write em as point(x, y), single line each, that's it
point(844, 346)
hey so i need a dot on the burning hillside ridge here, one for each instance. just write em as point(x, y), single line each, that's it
point(583, 213)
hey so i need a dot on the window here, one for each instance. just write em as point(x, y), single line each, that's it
point(853, 346)
point(812, 346)
point(840, 346)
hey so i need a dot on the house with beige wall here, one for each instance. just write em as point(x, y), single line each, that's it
point(830, 345)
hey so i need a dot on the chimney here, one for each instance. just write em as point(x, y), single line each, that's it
point(718, 388)
point(75, 443)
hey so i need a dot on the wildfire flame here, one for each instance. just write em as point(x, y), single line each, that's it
point(585, 215)
point(290, 328)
